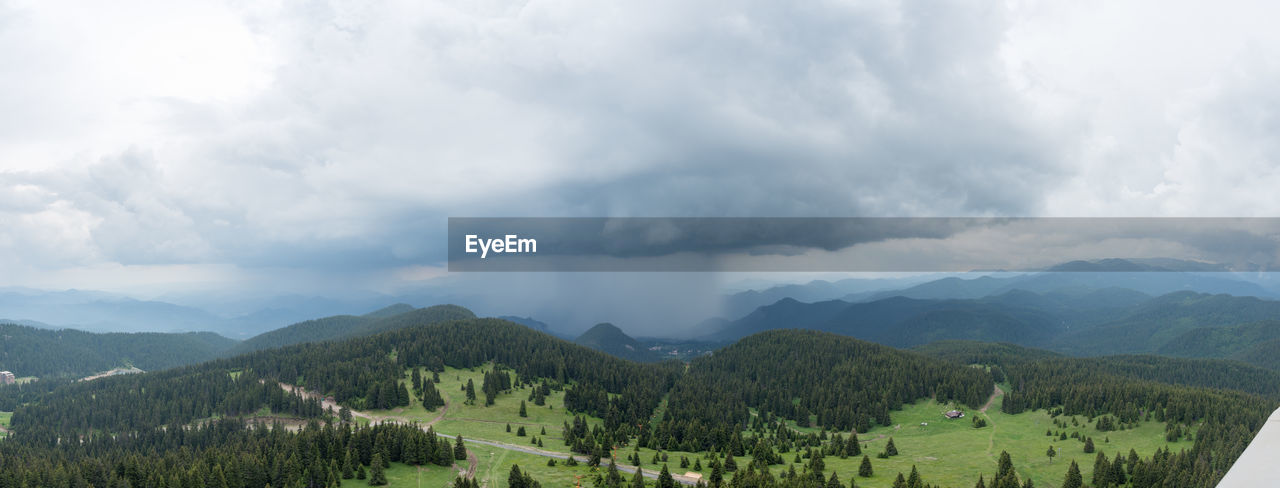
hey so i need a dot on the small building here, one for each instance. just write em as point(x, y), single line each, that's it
point(954, 414)
point(7, 378)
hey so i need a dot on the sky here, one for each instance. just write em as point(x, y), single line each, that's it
point(319, 147)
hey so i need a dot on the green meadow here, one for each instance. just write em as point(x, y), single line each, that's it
point(946, 452)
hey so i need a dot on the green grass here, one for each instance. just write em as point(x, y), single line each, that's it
point(489, 422)
point(4, 421)
point(492, 468)
point(953, 453)
point(403, 475)
point(947, 452)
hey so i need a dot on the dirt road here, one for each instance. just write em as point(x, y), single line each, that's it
point(991, 400)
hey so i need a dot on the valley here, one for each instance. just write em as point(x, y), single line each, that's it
point(776, 407)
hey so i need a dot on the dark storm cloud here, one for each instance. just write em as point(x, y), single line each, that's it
point(853, 244)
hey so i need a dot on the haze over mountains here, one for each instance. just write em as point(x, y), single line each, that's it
point(1114, 306)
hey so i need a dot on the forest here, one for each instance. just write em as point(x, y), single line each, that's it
point(29, 351)
point(761, 399)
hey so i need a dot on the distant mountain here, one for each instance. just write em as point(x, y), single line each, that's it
point(1143, 264)
point(610, 339)
point(389, 311)
point(1264, 354)
point(742, 303)
point(1086, 277)
point(1088, 323)
point(1160, 321)
point(98, 311)
point(28, 351)
point(344, 326)
point(1236, 341)
point(527, 322)
point(1016, 316)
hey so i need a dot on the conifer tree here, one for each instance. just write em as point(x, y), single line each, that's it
point(459, 449)
point(864, 470)
point(376, 475)
point(664, 478)
point(1073, 478)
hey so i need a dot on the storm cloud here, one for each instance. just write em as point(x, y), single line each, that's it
point(240, 143)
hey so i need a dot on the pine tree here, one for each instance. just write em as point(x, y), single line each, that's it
point(1006, 464)
point(523, 412)
point(613, 479)
point(347, 471)
point(637, 481)
point(520, 431)
point(899, 482)
point(864, 470)
point(459, 449)
point(834, 482)
point(471, 392)
point(515, 479)
point(664, 478)
point(890, 449)
point(1073, 478)
point(981, 483)
point(1051, 453)
point(913, 480)
point(1101, 471)
point(376, 475)
point(1088, 446)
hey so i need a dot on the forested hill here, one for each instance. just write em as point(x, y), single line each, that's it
point(360, 372)
point(1206, 373)
point(843, 382)
point(344, 326)
point(28, 351)
point(1104, 322)
point(609, 338)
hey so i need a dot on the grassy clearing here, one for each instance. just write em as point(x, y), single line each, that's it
point(490, 423)
point(492, 469)
point(4, 421)
point(947, 452)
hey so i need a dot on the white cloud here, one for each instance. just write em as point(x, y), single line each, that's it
point(340, 134)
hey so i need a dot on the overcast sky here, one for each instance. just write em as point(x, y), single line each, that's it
point(262, 144)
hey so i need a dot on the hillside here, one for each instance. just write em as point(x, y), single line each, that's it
point(845, 382)
point(1084, 277)
point(610, 339)
point(762, 400)
point(528, 322)
point(1161, 320)
point(1219, 342)
point(28, 351)
point(344, 326)
point(1092, 322)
